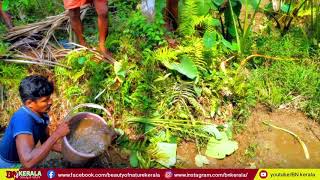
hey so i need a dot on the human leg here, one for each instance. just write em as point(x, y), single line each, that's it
point(6, 17)
point(101, 7)
point(171, 14)
point(76, 24)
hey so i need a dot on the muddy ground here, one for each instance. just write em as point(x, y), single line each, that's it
point(110, 159)
point(260, 146)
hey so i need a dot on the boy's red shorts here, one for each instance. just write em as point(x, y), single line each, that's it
point(71, 4)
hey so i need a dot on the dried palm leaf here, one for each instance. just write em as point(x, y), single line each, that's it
point(305, 149)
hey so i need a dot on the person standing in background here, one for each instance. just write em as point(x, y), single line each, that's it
point(101, 7)
point(6, 17)
point(171, 15)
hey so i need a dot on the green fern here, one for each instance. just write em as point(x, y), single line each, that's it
point(197, 106)
point(181, 92)
point(194, 49)
point(166, 56)
point(184, 95)
point(188, 12)
point(194, 13)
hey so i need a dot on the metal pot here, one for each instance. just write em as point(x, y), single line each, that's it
point(72, 155)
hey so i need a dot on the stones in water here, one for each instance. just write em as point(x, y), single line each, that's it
point(89, 136)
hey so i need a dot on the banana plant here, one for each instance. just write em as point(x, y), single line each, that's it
point(234, 27)
point(207, 16)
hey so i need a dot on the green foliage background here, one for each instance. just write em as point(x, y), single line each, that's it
point(168, 93)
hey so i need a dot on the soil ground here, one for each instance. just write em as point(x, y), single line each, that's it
point(260, 146)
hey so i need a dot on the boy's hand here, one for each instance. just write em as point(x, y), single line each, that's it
point(63, 129)
point(57, 147)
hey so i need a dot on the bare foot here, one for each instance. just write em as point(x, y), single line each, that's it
point(83, 43)
point(107, 54)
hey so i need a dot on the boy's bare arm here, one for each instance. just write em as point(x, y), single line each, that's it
point(30, 155)
point(57, 147)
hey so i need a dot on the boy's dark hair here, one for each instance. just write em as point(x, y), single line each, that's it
point(34, 87)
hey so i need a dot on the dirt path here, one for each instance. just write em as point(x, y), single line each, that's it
point(263, 146)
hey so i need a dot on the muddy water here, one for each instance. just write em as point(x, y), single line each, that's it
point(276, 148)
point(87, 136)
point(273, 148)
point(289, 150)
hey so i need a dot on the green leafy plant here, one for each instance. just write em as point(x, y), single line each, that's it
point(4, 49)
point(72, 81)
point(10, 77)
point(283, 12)
point(139, 27)
point(220, 148)
point(292, 45)
point(251, 150)
point(206, 17)
point(11, 74)
point(242, 36)
point(283, 82)
point(24, 9)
